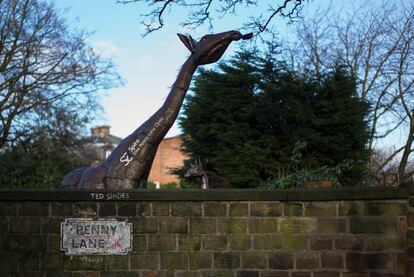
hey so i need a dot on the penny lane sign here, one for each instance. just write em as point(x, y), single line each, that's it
point(85, 236)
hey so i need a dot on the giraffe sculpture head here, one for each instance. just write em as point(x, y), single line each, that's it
point(198, 170)
point(210, 48)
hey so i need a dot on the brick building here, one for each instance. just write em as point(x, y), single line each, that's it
point(169, 156)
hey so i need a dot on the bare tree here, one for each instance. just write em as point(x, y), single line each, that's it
point(206, 11)
point(46, 69)
point(383, 167)
point(376, 44)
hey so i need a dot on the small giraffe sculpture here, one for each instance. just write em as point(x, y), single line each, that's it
point(129, 164)
point(198, 169)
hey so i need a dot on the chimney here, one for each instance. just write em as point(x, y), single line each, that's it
point(100, 131)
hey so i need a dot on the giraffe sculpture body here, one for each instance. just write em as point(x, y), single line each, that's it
point(129, 163)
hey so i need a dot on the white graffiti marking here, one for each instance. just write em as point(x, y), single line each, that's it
point(133, 146)
point(109, 195)
point(138, 144)
point(126, 159)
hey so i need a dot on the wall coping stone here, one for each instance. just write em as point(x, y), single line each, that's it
point(331, 194)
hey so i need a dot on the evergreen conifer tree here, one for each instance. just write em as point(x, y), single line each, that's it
point(255, 120)
point(340, 128)
point(220, 119)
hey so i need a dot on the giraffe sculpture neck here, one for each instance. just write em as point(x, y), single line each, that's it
point(138, 149)
point(171, 107)
point(204, 181)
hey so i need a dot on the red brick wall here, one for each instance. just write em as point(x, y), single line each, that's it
point(168, 156)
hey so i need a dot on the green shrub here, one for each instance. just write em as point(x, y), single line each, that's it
point(297, 178)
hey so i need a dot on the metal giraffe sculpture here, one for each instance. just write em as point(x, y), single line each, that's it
point(129, 164)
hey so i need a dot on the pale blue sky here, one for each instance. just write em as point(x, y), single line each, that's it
point(148, 65)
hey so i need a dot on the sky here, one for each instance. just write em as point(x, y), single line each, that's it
point(149, 65)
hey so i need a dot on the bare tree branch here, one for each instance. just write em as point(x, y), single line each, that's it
point(206, 11)
point(377, 45)
point(44, 68)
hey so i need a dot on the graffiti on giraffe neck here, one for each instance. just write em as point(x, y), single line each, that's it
point(139, 143)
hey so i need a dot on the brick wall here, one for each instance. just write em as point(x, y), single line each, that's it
point(250, 233)
point(410, 234)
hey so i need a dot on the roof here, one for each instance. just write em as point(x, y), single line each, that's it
point(109, 139)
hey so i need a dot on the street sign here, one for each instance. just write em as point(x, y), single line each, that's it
point(85, 236)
